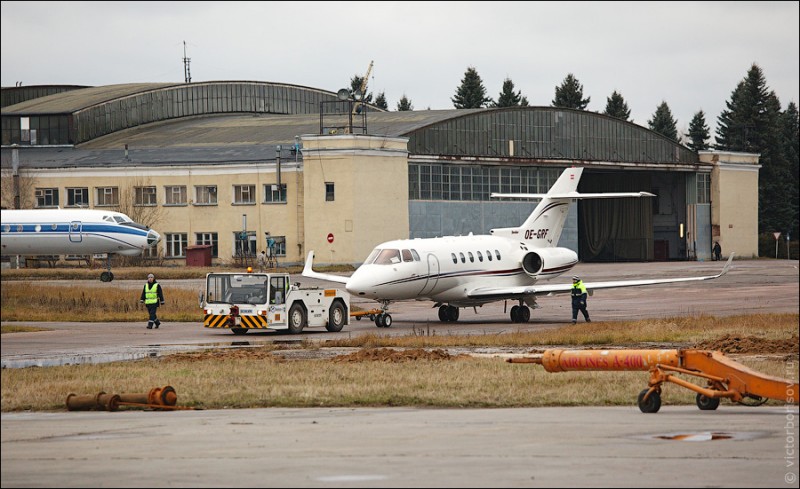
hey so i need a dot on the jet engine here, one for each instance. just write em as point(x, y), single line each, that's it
point(545, 262)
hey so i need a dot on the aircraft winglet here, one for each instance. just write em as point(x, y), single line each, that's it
point(310, 273)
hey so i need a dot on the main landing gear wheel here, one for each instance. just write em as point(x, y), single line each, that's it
point(650, 405)
point(106, 277)
point(383, 320)
point(448, 314)
point(520, 314)
point(706, 403)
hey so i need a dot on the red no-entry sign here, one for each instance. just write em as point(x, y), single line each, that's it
point(330, 237)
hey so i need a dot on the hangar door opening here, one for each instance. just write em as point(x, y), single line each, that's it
point(619, 229)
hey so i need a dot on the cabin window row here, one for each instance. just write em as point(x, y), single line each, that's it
point(471, 257)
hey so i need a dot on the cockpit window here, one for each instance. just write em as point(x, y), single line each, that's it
point(415, 255)
point(371, 257)
point(388, 257)
point(407, 255)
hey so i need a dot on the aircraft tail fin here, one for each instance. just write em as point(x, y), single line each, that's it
point(542, 229)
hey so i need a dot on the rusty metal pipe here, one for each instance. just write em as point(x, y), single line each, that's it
point(100, 401)
point(161, 396)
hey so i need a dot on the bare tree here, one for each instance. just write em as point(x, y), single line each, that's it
point(27, 186)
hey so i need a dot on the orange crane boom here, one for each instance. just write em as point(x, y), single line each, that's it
point(726, 378)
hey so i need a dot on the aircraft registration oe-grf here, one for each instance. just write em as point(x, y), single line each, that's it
point(74, 232)
point(472, 270)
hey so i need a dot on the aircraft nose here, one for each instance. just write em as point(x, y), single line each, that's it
point(153, 238)
point(359, 284)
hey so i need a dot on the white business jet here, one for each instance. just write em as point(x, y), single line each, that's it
point(472, 270)
point(74, 232)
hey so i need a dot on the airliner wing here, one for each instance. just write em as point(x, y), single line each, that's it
point(308, 272)
point(527, 291)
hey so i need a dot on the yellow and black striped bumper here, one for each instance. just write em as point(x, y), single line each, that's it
point(247, 322)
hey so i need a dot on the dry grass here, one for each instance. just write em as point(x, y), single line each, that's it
point(32, 301)
point(677, 330)
point(239, 382)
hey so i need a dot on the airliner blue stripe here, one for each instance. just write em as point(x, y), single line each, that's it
point(64, 228)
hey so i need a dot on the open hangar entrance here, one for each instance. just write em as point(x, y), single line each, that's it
point(632, 229)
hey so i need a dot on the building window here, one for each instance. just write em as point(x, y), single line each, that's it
point(274, 193)
point(244, 194)
point(175, 195)
point(208, 239)
point(145, 196)
point(279, 246)
point(47, 197)
point(107, 196)
point(176, 245)
point(205, 195)
point(78, 197)
point(244, 243)
point(703, 188)
point(151, 253)
point(329, 194)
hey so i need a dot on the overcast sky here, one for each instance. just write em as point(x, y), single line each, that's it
point(689, 54)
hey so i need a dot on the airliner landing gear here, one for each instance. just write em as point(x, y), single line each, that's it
point(448, 314)
point(107, 276)
point(383, 320)
point(520, 314)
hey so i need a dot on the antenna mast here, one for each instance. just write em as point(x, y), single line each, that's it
point(187, 75)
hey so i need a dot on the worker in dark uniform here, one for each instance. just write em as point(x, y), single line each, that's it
point(152, 296)
point(579, 300)
point(717, 251)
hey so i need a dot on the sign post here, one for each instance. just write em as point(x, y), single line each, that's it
point(777, 235)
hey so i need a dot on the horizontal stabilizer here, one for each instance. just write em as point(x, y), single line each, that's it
point(576, 195)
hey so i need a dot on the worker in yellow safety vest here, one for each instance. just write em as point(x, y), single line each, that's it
point(152, 297)
point(579, 295)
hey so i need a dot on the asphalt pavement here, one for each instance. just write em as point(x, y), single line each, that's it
point(734, 446)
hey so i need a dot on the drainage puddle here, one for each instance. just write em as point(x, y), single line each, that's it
point(705, 436)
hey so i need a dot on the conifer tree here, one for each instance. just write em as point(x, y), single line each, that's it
point(404, 104)
point(508, 98)
point(380, 101)
point(570, 94)
point(753, 122)
point(663, 123)
point(791, 151)
point(471, 94)
point(617, 107)
point(698, 132)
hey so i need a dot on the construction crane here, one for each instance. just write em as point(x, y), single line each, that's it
point(362, 90)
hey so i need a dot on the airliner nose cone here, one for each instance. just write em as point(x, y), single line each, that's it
point(153, 238)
